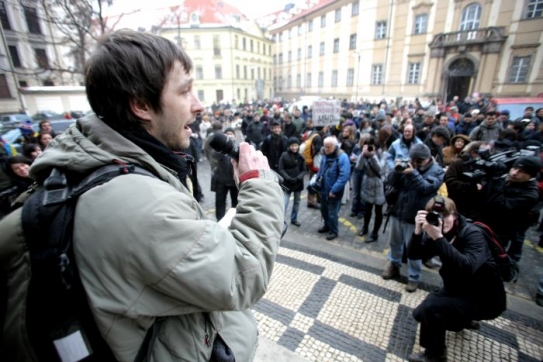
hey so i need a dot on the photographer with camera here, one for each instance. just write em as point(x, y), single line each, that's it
point(399, 149)
point(472, 288)
point(508, 200)
point(371, 163)
point(417, 180)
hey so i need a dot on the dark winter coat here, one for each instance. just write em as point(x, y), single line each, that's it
point(462, 191)
point(468, 270)
point(465, 128)
point(273, 147)
point(256, 132)
point(292, 168)
point(289, 130)
point(416, 189)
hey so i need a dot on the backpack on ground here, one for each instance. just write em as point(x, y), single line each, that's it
point(507, 267)
point(47, 317)
point(306, 149)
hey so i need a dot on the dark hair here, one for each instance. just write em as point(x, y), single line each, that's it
point(29, 148)
point(130, 66)
point(43, 122)
point(491, 113)
point(19, 159)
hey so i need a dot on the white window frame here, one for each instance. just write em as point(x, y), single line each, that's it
point(520, 69)
point(414, 73)
point(532, 9)
point(350, 77)
point(352, 41)
point(471, 17)
point(334, 78)
point(321, 80)
point(336, 45)
point(420, 25)
point(380, 29)
point(377, 74)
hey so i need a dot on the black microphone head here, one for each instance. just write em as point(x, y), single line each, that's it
point(224, 145)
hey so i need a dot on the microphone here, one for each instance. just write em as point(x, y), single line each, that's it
point(224, 145)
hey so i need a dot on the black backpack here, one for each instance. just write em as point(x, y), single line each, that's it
point(507, 267)
point(57, 312)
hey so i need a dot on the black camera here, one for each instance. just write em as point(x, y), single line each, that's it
point(402, 166)
point(433, 217)
point(499, 164)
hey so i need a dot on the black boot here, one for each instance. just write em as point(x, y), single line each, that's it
point(373, 238)
point(429, 356)
point(363, 232)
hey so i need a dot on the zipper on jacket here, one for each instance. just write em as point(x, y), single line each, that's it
point(206, 329)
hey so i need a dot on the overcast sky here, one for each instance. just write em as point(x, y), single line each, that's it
point(251, 8)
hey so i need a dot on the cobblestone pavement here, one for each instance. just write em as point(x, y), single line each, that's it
point(327, 302)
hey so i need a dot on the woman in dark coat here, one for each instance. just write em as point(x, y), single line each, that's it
point(472, 288)
point(292, 168)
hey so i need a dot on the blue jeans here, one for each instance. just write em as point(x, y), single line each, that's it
point(295, 205)
point(330, 212)
point(358, 202)
point(400, 235)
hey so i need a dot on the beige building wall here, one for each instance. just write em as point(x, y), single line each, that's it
point(464, 47)
point(229, 64)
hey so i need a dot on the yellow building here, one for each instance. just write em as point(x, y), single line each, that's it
point(231, 57)
point(410, 48)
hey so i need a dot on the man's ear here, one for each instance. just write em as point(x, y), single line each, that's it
point(141, 110)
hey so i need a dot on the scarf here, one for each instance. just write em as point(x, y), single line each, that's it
point(179, 162)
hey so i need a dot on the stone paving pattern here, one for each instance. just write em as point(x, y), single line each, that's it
point(326, 307)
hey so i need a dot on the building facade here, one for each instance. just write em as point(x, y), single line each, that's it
point(30, 54)
point(230, 63)
point(410, 48)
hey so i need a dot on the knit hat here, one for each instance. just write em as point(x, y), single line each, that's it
point(293, 140)
point(529, 164)
point(229, 129)
point(275, 122)
point(442, 131)
point(420, 151)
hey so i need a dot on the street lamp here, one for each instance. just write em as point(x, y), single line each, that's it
point(358, 53)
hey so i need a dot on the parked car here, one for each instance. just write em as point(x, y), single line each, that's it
point(516, 106)
point(14, 136)
point(46, 115)
point(14, 118)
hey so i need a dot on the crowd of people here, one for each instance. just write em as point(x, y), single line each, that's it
point(148, 240)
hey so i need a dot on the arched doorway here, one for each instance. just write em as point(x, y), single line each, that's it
point(460, 74)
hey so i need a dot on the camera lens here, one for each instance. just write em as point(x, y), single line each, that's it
point(433, 218)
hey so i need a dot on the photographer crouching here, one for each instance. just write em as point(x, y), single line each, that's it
point(472, 288)
point(508, 200)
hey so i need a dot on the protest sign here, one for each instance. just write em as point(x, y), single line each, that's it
point(326, 112)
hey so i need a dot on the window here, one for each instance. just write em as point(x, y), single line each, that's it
point(338, 15)
point(251, 45)
point(321, 48)
point(269, 49)
point(237, 71)
point(236, 42)
point(299, 54)
point(14, 56)
point(238, 91)
point(289, 56)
point(32, 21)
point(290, 33)
point(519, 70)
point(350, 77)
point(323, 21)
point(413, 77)
point(534, 9)
point(258, 73)
point(308, 80)
point(244, 72)
point(274, 59)
point(309, 51)
point(352, 42)
point(4, 16)
point(48, 83)
point(199, 72)
point(421, 22)
point(263, 48)
point(23, 83)
point(4, 88)
point(300, 30)
point(218, 72)
point(336, 45)
point(298, 81)
point(280, 58)
point(280, 83)
point(280, 37)
point(321, 79)
point(41, 58)
point(310, 25)
point(201, 95)
point(197, 44)
point(380, 30)
point(244, 44)
point(334, 78)
point(355, 8)
point(289, 81)
point(471, 15)
point(377, 74)
point(252, 73)
point(270, 72)
point(216, 45)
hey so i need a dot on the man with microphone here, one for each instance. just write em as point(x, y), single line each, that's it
point(147, 255)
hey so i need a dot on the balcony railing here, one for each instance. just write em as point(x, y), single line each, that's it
point(478, 36)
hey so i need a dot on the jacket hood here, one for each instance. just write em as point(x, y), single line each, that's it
point(462, 136)
point(90, 144)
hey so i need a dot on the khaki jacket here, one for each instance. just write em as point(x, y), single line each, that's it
point(144, 250)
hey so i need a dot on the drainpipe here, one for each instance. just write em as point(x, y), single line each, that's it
point(388, 44)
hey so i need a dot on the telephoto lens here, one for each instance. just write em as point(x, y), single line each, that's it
point(433, 218)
